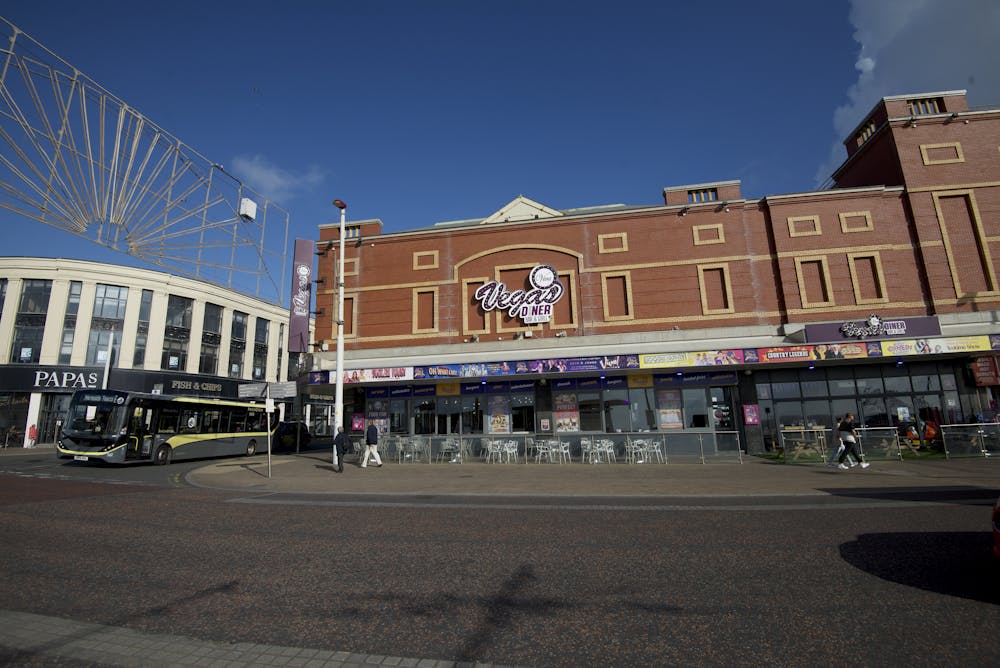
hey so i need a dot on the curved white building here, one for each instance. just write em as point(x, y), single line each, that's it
point(73, 324)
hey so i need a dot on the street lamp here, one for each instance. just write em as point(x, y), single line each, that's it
point(338, 397)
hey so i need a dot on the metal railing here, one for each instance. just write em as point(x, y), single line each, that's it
point(980, 439)
point(903, 442)
point(541, 448)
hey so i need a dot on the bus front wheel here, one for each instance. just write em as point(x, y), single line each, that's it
point(251, 448)
point(162, 455)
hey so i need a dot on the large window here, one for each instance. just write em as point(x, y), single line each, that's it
point(423, 415)
point(281, 349)
point(260, 348)
point(879, 395)
point(110, 302)
point(29, 326)
point(238, 344)
point(69, 322)
point(522, 411)
point(142, 331)
point(589, 404)
point(399, 417)
point(177, 333)
point(616, 417)
point(472, 414)
point(107, 322)
point(449, 412)
point(211, 336)
point(642, 408)
point(695, 407)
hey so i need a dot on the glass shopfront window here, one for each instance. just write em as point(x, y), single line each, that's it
point(399, 416)
point(616, 417)
point(472, 414)
point(522, 411)
point(840, 380)
point(424, 415)
point(870, 382)
point(879, 395)
point(449, 412)
point(695, 408)
point(896, 379)
point(589, 404)
point(642, 409)
point(722, 408)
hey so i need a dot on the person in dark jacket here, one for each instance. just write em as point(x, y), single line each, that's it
point(339, 442)
point(847, 431)
point(371, 446)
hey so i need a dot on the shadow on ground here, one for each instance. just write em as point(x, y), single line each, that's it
point(961, 495)
point(953, 563)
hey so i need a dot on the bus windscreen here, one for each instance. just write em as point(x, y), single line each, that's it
point(97, 412)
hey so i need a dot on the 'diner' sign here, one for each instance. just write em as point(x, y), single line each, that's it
point(531, 306)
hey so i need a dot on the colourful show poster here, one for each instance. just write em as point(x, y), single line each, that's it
point(785, 354)
point(664, 360)
point(670, 413)
point(498, 409)
point(567, 412)
point(957, 344)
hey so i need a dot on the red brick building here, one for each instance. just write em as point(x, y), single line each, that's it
point(709, 314)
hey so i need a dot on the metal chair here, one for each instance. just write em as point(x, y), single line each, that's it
point(543, 448)
point(451, 450)
point(494, 451)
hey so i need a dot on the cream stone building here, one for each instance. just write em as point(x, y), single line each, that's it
point(73, 324)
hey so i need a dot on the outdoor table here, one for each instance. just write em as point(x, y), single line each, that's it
point(802, 440)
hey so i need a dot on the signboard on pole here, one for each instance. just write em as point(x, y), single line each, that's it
point(285, 390)
point(274, 390)
point(251, 390)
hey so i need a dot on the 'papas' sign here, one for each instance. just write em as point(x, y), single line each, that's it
point(531, 306)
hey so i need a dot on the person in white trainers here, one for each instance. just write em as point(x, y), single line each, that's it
point(849, 435)
point(839, 450)
point(371, 446)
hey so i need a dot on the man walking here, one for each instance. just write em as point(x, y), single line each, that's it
point(371, 446)
point(338, 447)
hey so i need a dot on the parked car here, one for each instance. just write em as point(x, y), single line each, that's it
point(290, 432)
point(996, 529)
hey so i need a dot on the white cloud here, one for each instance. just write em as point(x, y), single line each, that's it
point(277, 184)
point(918, 46)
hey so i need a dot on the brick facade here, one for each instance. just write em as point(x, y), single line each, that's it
point(910, 229)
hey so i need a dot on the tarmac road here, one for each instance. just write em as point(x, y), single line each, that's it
point(503, 564)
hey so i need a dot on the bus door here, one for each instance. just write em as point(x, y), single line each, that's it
point(141, 431)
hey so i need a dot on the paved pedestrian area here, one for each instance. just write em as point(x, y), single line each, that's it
point(31, 639)
point(313, 473)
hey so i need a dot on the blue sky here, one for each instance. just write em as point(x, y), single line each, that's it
point(421, 112)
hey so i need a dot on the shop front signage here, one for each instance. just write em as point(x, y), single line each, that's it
point(65, 379)
point(986, 371)
point(531, 306)
point(873, 327)
point(34, 378)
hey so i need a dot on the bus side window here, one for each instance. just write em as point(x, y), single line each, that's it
point(210, 422)
point(189, 421)
point(237, 418)
point(168, 421)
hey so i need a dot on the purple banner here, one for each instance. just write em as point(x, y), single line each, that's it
point(298, 311)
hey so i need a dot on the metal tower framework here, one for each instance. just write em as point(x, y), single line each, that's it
point(75, 157)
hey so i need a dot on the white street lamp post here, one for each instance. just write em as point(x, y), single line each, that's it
point(338, 397)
